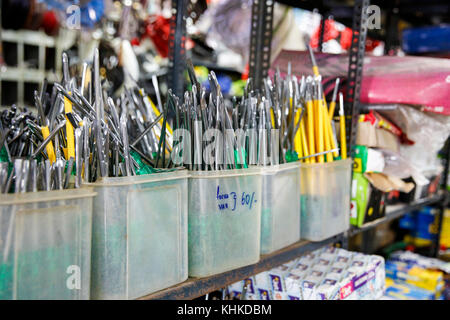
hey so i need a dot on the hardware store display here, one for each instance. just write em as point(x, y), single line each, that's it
point(234, 150)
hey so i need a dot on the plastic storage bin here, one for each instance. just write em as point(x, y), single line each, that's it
point(224, 220)
point(280, 208)
point(139, 235)
point(325, 204)
point(45, 245)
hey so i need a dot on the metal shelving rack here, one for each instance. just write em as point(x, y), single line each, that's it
point(194, 288)
point(397, 211)
point(177, 49)
point(262, 17)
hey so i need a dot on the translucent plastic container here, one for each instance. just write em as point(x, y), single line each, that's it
point(224, 220)
point(280, 208)
point(325, 204)
point(45, 245)
point(139, 235)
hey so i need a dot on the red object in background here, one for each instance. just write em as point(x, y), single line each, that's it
point(393, 195)
point(157, 28)
point(135, 41)
point(330, 33)
point(410, 247)
point(372, 44)
point(346, 38)
point(343, 37)
point(246, 72)
point(50, 23)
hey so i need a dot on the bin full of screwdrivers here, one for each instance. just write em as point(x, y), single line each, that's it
point(139, 235)
point(45, 217)
point(325, 170)
point(224, 220)
point(224, 189)
point(281, 113)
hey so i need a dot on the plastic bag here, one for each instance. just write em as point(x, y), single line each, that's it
point(429, 132)
point(397, 166)
point(386, 80)
point(228, 23)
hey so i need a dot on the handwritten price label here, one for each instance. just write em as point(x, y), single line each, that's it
point(230, 200)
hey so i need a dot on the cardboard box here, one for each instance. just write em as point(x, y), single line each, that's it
point(277, 278)
point(403, 291)
point(429, 280)
point(370, 136)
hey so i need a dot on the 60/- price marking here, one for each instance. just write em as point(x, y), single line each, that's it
point(248, 200)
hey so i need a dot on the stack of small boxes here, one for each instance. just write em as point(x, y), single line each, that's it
point(325, 274)
point(414, 277)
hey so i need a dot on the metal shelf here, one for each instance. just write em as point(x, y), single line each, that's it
point(196, 287)
point(397, 211)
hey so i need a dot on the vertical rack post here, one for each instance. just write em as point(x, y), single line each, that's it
point(260, 40)
point(355, 67)
point(354, 79)
point(177, 46)
point(443, 205)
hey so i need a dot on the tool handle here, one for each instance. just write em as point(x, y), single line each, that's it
point(329, 133)
point(331, 111)
point(69, 130)
point(343, 137)
point(315, 70)
point(50, 151)
point(310, 129)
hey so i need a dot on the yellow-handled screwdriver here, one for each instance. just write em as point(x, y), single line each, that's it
point(315, 69)
point(70, 135)
point(333, 99)
point(320, 124)
point(44, 125)
point(310, 126)
point(342, 127)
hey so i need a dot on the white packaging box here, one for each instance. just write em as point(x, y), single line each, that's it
point(328, 289)
point(276, 278)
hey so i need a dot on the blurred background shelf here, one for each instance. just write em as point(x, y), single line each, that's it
point(397, 211)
